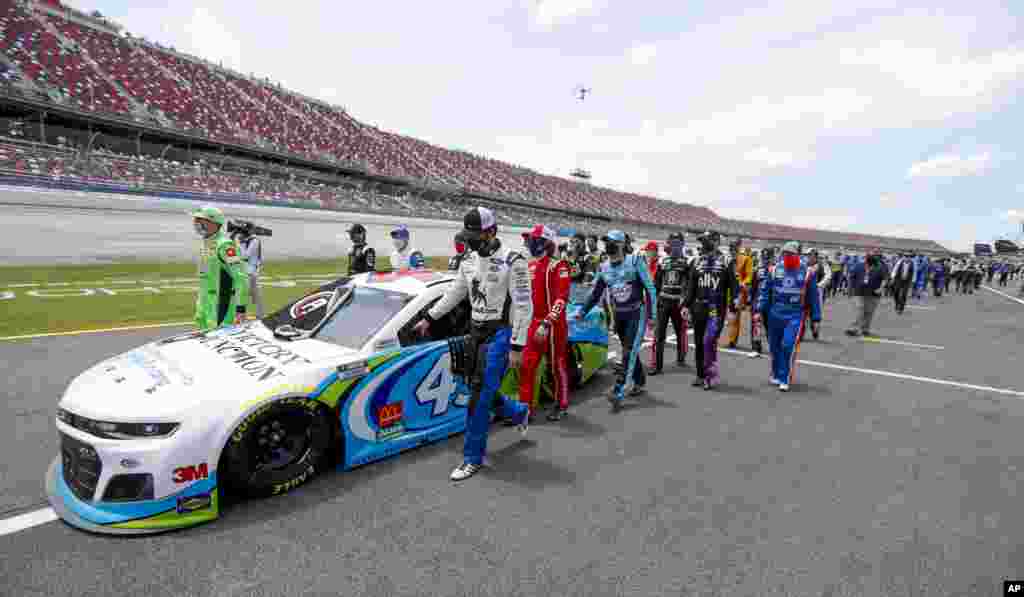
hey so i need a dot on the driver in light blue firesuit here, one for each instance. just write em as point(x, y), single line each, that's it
point(785, 296)
point(627, 279)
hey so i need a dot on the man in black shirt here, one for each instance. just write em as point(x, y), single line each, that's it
point(361, 259)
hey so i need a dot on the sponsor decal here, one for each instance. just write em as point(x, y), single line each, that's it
point(194, 503)
point(190, 473)
point(259, 358)
point(389, 414)
point(390, 433)
point(310, 304)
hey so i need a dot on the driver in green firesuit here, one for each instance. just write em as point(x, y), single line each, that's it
point(223, 281)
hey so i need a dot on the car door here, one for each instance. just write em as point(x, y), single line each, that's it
point(411, 397)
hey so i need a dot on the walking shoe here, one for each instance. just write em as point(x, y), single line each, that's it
point(557, 414)
point(654, 372)
point(465, 471)
point(754, 354)
point(697, 382)
point(852, 333)
point(637, 391)
point(681, 362)
point(783, 387)
point(707, 384)
point(523, 427)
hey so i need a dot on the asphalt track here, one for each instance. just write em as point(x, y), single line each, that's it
point(853, 483)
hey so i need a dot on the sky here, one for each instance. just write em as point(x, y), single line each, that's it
point(850, 115)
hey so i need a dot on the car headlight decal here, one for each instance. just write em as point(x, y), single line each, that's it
point(112, 430)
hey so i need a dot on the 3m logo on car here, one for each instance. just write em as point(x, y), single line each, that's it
point(190, 473)
point(389, 414)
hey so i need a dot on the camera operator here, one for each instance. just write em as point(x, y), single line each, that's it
point(252, 254)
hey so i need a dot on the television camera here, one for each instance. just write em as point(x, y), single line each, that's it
point(247, 228)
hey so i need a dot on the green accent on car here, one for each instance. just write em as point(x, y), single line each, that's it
point(171, 519)
point(594, 357)
point(333, 393)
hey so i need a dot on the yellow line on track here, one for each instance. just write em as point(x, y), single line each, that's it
point(80, 332)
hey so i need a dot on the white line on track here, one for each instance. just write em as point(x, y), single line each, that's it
point(942, 382)
point(921, 308)
point(79, 332)
point(27, 520)
point(1012, 298)
point(902, 343)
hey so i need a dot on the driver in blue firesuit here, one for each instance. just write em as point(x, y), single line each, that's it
point(628, 282)
point(786, 295)
point(496, 279)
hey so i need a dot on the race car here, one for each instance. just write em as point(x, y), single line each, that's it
point(152, 439)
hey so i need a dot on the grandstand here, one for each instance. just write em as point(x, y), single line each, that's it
point(81, 99)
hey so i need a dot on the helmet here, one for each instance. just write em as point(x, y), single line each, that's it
point(402, 232)
point(210, 213)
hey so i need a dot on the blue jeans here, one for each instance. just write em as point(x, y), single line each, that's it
point(484, 386)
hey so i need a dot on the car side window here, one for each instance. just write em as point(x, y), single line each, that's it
point(455, 323)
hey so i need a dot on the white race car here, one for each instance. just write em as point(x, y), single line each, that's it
point(151, 438)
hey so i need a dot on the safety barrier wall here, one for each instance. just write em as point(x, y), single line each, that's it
point(19, 179)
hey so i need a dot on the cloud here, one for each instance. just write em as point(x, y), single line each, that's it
point(771, 159)
point(642, 54)
point(547, 13)
point(950, 166)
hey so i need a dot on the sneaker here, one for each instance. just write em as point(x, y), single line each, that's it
point(465, 471)
point(637, 391)
point(707, 384)
point(783, 387)
point(557, 414)
point(697, 382)
point(754, 354)
point(654, 372)
point(681, 362)
point(523, 427)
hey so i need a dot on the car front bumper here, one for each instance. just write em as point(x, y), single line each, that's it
point(129, 518)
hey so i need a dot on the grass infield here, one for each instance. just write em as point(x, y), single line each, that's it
point(26, 315)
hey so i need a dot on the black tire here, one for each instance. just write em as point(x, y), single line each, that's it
point(297, 435)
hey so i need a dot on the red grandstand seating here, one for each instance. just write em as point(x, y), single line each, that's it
point(225, 106)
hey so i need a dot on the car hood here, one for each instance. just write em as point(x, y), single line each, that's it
point(197, 373)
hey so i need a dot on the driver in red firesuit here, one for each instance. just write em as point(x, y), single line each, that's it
point(549, 331)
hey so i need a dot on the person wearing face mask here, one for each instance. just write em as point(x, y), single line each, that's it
point(361, 258)
point(593, 249)
point(789, 293)
point(496, 280)
point(460, 253)
point(404, 257)
point(711, 280)
point(900, 281)
point(631, 289)
point(670, 285)
point(867, 280)
point(581, 267)
point(549, 331)
point(223, 281)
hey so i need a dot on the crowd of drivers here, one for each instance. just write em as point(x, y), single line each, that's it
point(518, 298)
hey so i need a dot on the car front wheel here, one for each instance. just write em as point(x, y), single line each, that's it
point(277, 447)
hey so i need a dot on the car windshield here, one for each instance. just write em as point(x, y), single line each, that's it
point(363, 314)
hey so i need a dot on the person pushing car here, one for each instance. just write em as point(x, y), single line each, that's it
point(223, 281)
point(496, 279)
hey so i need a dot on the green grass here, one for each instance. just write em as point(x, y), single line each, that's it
point(26, 315)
